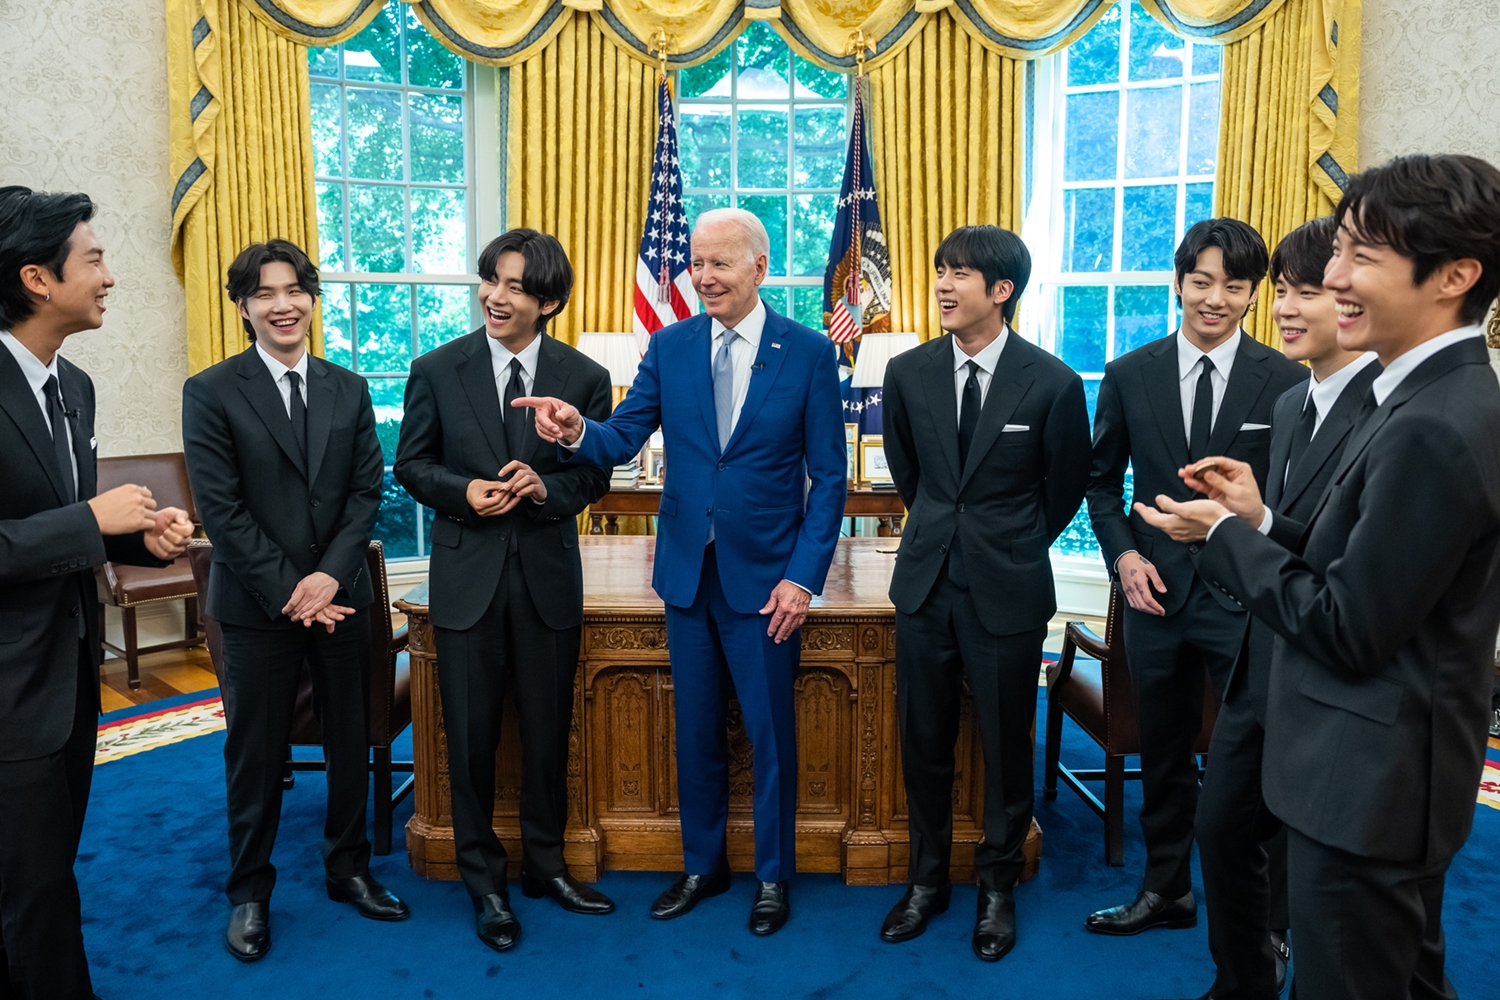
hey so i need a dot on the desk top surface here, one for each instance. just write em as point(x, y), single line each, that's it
point(617, 576)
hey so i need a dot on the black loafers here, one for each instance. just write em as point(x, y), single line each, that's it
point(369, 897)
point(249, 935)
point(994, 924)
point(909, 917)
point(686, 892)
point(569, 893)
point(496, 925)
point(773, 904)
point(1147, 911)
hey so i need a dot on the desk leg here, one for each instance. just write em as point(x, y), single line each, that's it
point(611, 524)
point(883, 527)
point(896, 526)
point(596, 523)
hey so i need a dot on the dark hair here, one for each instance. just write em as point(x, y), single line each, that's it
point(547, 276)
point(1245, 257)
point(1432, 209)
point(244, 273)
point(1303, 254)
point(36, 227)
point(996, 253)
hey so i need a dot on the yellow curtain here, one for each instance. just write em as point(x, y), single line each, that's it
point(941, 163)
point(241, 150)
point(1289, 124)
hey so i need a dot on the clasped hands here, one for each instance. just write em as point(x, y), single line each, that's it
point(127, 509)
point(493, 497)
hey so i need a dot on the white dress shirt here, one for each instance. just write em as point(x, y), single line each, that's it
point(1189, 367)
point(1324, 394)
point(37, 375)
point(500, 359)
point(986, 359)
point(741, 353)
point(278, 375)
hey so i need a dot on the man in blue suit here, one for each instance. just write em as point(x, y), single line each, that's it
point(748, 403)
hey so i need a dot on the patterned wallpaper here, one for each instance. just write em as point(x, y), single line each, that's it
point(85, 109)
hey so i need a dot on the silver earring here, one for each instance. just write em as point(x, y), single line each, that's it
point(48, 299)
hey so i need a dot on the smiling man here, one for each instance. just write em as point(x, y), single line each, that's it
point(286, 470)
point(1205, 390)
point(1385, 608)
point(749, 405)
point(53, 532)
point(506, 578)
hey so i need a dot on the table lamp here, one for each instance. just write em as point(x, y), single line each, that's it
point(617, 352)
point(875, 352)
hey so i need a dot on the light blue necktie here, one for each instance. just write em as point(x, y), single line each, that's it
point(724, 388)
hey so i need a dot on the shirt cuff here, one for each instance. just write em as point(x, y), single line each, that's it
point(575, 444)
point(1265, 521)
point(1122, 556)
point(1226, 516)
point(799, 586)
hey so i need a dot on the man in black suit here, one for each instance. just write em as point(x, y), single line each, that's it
point(1385, 612)
point(987, 438)
point(1205, 390)
point(506, 578)
point(53, 531)
point(1241, 844)
point(286, 469)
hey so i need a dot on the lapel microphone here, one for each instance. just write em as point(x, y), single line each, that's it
point(758, 366)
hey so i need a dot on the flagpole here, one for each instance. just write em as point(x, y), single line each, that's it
point(660, 43)
point(858, 43)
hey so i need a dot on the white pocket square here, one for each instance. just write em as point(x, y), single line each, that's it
point(1012, 428)
point(94, 443)
point(1255, 427)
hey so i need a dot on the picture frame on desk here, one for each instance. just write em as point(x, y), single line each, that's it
point(655, 466)
point(873, 468)
point(851, 449)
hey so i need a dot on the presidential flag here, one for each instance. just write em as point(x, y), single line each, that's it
point(857, 282)
point(663, 272)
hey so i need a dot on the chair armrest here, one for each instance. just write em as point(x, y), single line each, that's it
point(1085, 639)
point(399, 639)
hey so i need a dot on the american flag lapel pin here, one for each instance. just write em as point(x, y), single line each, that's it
point(775, 345)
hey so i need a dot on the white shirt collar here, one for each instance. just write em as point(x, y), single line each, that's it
point(986, 359)
point(278, 370)
point(1222, 356)
point(31, 366)
point(500, 356)
point(749, 328)
point(1395, 373)
point(1325, 393)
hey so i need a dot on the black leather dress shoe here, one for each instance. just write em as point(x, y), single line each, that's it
point(1148, 910)
point(369, 897)
point(1283, 957)
point(249, 935)
point(773, 904)
point(995, 924)
point(919, 904)
point(687, 892)
point(571, 894)
point(495, 924)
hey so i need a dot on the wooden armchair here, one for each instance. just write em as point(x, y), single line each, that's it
point(390, 691)
point(1096, 693)
point(130, 587)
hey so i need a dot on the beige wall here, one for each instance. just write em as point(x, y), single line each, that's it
point(1430, 79)
point(84, 108)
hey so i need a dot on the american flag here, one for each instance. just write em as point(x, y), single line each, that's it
point(663, 272)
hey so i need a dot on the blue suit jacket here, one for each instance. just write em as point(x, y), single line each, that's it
point(768, 525)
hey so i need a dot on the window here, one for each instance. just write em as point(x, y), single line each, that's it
point(1127, 166)
point(394, 151)
point(763, 129)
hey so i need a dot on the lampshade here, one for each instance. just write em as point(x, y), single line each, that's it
point(616, 351)
point(875, 352)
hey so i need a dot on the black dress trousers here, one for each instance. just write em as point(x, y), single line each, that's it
point(261, 670)
point(510, 649)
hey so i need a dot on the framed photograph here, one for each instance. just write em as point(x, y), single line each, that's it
point(872, 465)
point(851, 448)
point(656, 465)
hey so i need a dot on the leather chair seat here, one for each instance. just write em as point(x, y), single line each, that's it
point(1082, 698)
point(132, 585)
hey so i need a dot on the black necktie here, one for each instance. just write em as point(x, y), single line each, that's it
point(968, 414)
point(1203, 412)
point(1301, 435)
point(515, 419)
point(299, 414)
point(62, 438)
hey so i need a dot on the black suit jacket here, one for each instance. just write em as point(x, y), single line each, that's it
point(1014, 496)
point(452, 434)
point(1138, 423)
point(1293, 499)
point(1380, 680)
point(48, 549)
point(272, 520)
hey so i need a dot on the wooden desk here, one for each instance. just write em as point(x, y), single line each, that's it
point(622, 768)
point(604, 515)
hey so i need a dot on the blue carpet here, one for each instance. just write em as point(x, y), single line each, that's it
point(154, 859)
